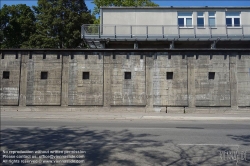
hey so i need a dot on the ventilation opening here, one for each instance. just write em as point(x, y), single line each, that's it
point(170, 75)
point(72, 56)
point(141, 57)
point(114, 57)
point(6, 75)
point(58, 56)
point(169, 56)
point(44, 55)
point(183, 56)
point(197, 56)
point(2, 56)
point(44, 75)
point(86, 56)
point(30, 56)
point(211, 75)
point(85, 75)
point(127, 57)
point(16, 55)
point(127, 75)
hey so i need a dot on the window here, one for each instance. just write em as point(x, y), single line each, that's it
point(44, 75)
point(6, 75)
point(200, 19)
point(85, 75)
point(211, 19)
point(233, 19)
point(185, 19)
point(170, 75)
point(211, 75)
point(44, 55)
point(127, 75)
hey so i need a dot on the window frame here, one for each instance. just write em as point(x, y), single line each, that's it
point(232, 19)
point(203, 16)
point(214, 16)
point(185, 19)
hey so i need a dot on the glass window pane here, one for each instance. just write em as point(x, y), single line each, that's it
point(200, 22)
point(229, 22)
point(200, 14)
point(181, 22)
point(211, 13)
point(189, 22)
point(184, 13)
point(232, 13)
point(212, 22)
point(237, 22)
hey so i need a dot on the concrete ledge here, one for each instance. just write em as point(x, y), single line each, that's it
point(176, 110)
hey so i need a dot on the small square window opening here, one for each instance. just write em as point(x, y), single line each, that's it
point(44, 75)
point(85, 75)
point(6, 75)
point(170, 75)
point(211, 75)
point(127, 75)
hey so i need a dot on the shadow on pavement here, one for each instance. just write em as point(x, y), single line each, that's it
point(108, 147)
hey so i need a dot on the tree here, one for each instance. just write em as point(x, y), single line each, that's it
point(59, 23)
point(100, 3)
point(17, 25)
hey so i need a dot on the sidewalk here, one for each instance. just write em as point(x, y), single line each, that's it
point(233, 115)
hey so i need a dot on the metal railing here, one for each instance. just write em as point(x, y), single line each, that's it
point(164, 31)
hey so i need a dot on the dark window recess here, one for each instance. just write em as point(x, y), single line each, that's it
point(169, 56)
point(197, 56)
point(72, 56)
point(181, 22)
point(229, 22)
point(16, 55)
point(141, 56)
point(127, 57)
point(86, 56)
point(236, 22)
point(113, 56)
point(44, 55)
point(85, 75)
point(200, 22)
point(30, 56)
point(2, 56)
point(211, 75)
point(211, 56)
point(183, 56)
point(170, 75)
point(225, 57)
point(6, 75)
point(239, 56)
point(44, 75)
point(58, 56)
point(127, 75)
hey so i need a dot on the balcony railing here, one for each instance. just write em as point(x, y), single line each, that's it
point(164, 31)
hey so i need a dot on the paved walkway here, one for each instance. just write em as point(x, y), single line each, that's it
point(122, 115)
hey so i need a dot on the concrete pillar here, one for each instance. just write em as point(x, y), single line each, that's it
point(233, 80)
point(149, 81)
point(107, 78)
point(191, 61)
point(23, 77)
point(65, 79)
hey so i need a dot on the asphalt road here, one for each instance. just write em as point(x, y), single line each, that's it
point(126, 142)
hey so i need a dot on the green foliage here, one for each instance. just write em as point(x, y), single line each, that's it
point(59, 23)
point(100, 3)
point(17, 25)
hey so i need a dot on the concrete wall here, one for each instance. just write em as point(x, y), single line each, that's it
point(106, 86)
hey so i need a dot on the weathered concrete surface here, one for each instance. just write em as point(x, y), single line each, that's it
point(148, 90)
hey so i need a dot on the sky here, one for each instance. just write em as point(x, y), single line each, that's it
point(90, 5)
